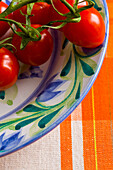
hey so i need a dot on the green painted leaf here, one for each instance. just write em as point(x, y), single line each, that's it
point(96, 6)
point(42, 123)
point(65, 43)
point(78, 92)
point(67, 67)
point(76, 67)
point(2, 95)
point(87, 69)
point(2, 125)
point(32, 108)
point(26, 122)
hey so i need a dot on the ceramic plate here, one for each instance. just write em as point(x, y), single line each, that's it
point(44, 96)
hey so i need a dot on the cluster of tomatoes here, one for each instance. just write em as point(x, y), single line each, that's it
point(89, 33)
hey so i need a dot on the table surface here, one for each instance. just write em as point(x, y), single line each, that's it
point(85, 139)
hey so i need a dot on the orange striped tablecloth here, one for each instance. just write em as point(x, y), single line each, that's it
point(84, 141)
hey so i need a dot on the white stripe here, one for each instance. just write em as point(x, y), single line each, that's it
point(43, 154)
point(50, 156)
point(77, 145)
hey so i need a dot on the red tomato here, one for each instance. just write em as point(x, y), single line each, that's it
point(4, 26)
point(61, 8)
point(9, 69)
point(89, 32)
point(36, 52)
point(40, 13)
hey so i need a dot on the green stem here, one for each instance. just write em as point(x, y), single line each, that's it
point(71, 9)
point(56, 9)
point(90, 4)
point(76, 2)
point(24, 30)
point(72, 16)
point(19, 25)
point(12, 7)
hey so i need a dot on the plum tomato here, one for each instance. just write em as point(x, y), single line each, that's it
point(9, 68)
point(89, 32)
point(36, 52)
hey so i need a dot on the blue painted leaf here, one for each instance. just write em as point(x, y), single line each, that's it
point(43, 122)
point(7, 2)
point(33, 71)
point(67, 67)
point(1, 139)
point(49, 93)
point(78, 92)
point(87, 69)
point(32, 108)
point(23, 76)
point(2, 95)
point(26, 122)
point(53, 85)
point(89, 52)
point(65, 43)
point(11, 141)
point(45, 96)
point(92, 51)
point(52, 78)
point(12, 145)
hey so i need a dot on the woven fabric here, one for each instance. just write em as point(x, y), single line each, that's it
point(84, 141)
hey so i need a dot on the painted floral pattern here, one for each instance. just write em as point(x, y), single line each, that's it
point(8, 142)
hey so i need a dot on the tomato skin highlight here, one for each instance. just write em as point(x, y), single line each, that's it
point(9, 69)
point(4, 26)
point(40, 14)
point(36, 52)
point(89, 32)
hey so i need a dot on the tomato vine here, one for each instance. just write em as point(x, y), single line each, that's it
point(28, 33)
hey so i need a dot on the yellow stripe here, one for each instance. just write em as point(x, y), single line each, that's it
point(93, 107)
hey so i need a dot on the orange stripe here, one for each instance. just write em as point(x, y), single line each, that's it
point(102, 116)
point(88, 133)
point(101, 93)
point(110, 84)
point(110, 40)
point(110, 54)
point(66, 144)
point(104, 145)
point(108, 1)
